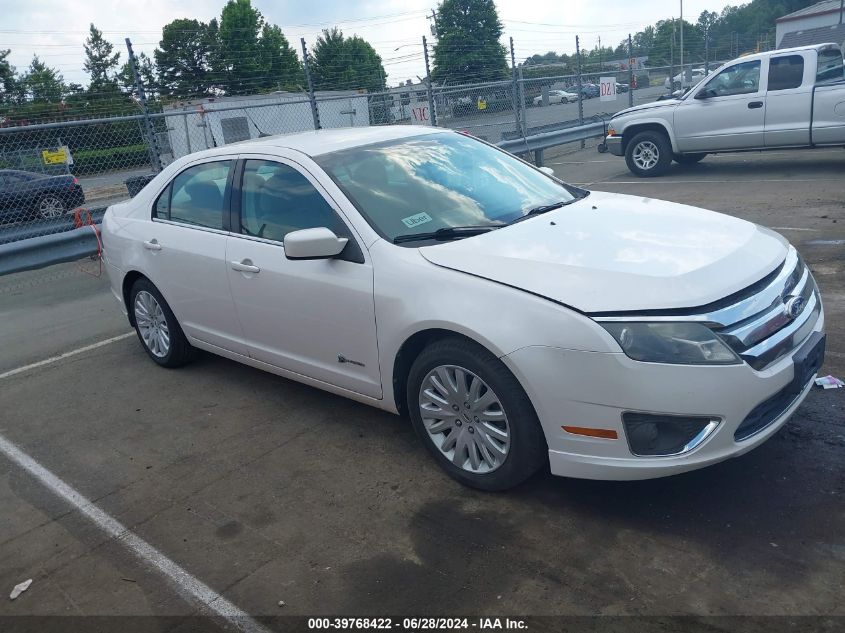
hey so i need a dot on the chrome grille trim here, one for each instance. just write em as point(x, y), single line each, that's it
point(756, 326)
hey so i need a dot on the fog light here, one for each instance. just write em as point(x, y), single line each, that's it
point(662, 435)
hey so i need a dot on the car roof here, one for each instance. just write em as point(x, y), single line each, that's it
point(318, 142)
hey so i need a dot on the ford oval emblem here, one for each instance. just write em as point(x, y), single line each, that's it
point(792, 306)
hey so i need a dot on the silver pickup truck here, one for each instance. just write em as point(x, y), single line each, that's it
point(790, 98)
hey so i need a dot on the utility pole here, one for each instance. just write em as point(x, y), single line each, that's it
point(433, 18)
point(672, 59)
point(580, 85)
point(430, 89)
point(630, 72)
point(315, 112)
point(516, 107)
point(152, 139)
point(683, 75)
point(601, 65)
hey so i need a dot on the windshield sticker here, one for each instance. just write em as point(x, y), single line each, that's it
point(413, 220)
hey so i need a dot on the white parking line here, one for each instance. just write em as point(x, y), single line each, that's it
point(53, 359)
point(651, 181)
point(185, 584)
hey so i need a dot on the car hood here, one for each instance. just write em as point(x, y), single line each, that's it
point(612, 252)
point(667, 103)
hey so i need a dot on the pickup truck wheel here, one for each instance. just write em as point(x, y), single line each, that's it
point(688, 159)
point(648, 154)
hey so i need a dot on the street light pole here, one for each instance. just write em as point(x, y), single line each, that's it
point(682, 45)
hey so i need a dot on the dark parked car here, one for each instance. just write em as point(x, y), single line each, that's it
point(24, 195)
point(590, 91)
point(620, 87)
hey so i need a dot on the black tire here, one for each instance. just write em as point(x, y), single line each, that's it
point(657, 140)
point(688, 159)
point(528, 451)
point(180, 351)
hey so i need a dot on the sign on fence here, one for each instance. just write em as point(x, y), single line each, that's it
point(58, 156)
point(420, 115)
point(607, 87)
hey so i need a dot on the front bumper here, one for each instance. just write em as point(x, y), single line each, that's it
point(590, 389)
point(614, 145)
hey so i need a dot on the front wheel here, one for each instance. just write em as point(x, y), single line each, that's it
point(473, 416)
point(648, 154)
point(688, 159)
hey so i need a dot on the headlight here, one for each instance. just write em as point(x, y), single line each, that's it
point(674, 343)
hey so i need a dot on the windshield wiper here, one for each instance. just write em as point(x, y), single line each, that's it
point(447, 233)
point(545, 208)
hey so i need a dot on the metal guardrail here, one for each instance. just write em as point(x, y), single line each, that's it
point(46, 250)
point(538, 142)
point(26, 248)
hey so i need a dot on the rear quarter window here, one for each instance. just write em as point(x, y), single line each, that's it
point(831, 67)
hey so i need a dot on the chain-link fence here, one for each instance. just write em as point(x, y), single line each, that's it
point(62, 173)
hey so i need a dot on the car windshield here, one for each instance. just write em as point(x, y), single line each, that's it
point(438, 181)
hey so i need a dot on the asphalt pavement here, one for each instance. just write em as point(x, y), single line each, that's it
point(262, 490)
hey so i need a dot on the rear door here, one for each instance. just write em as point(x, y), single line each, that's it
point(312, 317)
point(184, 251)
point(788, 100)
point(727, 112)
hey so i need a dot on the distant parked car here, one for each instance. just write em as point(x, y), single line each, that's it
point(557, 96)
point(622, 87)
point(25, 194)
point(590, 91)
point(680, 81)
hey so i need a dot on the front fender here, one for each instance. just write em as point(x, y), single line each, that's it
point(631, 128)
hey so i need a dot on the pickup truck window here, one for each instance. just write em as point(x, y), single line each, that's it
point(739, 79)
point(786, 72)
point(830, 66)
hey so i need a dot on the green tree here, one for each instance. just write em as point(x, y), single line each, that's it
point(281, 67)
point(8, 79)
point(184, 58)
point(126, 77)
point(101, 63)
point(468, 47)
point(238, 63)
point(346, 63)
point(42, 84)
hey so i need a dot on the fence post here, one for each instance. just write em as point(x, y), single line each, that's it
point(515, 93)
point(580, 85)
point(152, 139)
point(630, 72)
point(315, 113)
point(428, 86)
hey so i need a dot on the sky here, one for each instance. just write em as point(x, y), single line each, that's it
point(55, 30)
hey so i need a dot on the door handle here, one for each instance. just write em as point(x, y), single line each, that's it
point(152, 245)
point(753, 105)
point(245, 266)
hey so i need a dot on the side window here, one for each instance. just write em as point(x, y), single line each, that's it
point(277, 199)
point(196, 196)
point(786, 72)
point(737, 80)
point(830, 66)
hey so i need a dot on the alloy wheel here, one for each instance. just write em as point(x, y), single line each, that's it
point(51, 207)
point(646, 155)
point(152, 324)
point(464, 419)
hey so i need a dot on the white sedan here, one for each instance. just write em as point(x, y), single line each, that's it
point(518, 321)
point(557, 96)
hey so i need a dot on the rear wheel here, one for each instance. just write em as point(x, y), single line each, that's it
point(157, 328)
point(51, 206)
point(688, 159)
point(648, 154)
point(473, 416)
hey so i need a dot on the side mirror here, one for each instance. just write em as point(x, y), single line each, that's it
point(319, 243)
point(704, 93)
point(547, 170)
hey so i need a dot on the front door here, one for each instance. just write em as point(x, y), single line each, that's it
point(728, 112)
point(312, 317)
